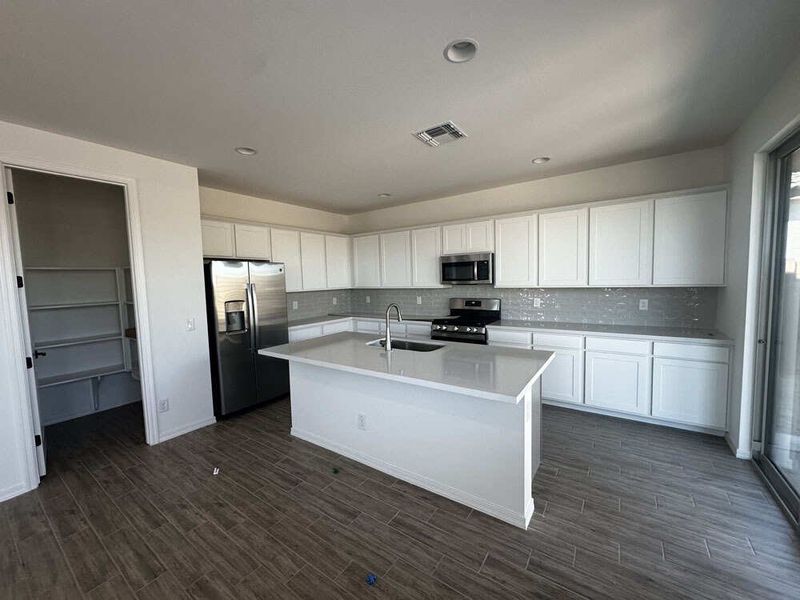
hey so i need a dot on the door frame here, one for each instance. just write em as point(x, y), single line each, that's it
point(10, 310)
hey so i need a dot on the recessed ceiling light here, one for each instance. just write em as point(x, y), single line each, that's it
point(460, 51)
point(540, 160)
point(384, 195)
point(246, 151)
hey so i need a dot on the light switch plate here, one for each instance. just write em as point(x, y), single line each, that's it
point(419, 299)
point(537, 303)
point(643, 304)
point(294, 304)
point(368, 299)
point(335, 300)
point(190, 324)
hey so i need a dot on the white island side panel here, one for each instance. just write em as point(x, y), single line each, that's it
point(475, 451)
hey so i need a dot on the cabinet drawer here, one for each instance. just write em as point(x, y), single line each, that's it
point(516, 338)
point(691, 351)
point(641, 347)
point(298, 334)
point(557, 340)
point(336, 327)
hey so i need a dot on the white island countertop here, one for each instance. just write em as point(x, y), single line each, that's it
point(491, 372)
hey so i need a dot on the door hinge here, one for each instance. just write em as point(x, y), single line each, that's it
point(20, 282)
point(38, 439)
point(10, 196)
point(28, 362)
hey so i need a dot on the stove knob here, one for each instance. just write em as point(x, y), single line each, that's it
point(455, 328)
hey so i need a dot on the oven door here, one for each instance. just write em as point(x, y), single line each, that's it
point(467, 269)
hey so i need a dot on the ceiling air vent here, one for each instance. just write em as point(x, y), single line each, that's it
point(440, 134)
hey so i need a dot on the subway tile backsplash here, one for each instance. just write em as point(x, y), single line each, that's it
point(667, 307)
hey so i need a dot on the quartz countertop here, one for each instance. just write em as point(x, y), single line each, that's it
point(645, 331)
point(490, 372)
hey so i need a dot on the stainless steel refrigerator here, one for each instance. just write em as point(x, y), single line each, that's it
point(246, 306)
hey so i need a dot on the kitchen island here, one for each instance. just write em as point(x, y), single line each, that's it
point(459, 420)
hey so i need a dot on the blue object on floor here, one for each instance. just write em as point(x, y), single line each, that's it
point(372, 579)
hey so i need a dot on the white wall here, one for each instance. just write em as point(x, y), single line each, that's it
point(170, 224)
point(664, 174)
point(219, 203)
point(775, 116)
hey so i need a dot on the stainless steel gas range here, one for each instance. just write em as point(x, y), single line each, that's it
point(468, 320)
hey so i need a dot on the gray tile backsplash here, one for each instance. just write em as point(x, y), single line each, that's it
point(667, 307)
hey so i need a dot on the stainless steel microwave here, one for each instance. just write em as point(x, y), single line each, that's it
point(468, 269)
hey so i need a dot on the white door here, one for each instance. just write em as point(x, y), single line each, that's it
point(563, 379)
point(286, 250)
point(367, 261)
point(693, 392)
point(480, 236)
point(396, 259)
point(33, 394)
point(426, 247)
point(618, 382)
point(454, 239)
point(563, 248)
point(312, 261)
point(621, 244)
point(252, 241)
point(516, 252)
point(689, 240)
point(338, 262)
point(217, 238)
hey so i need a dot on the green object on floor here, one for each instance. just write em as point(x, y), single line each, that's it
point(335, 470)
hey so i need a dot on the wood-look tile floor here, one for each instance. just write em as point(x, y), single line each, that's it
point(623, 510)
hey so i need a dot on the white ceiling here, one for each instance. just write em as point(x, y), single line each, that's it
point(330, 92)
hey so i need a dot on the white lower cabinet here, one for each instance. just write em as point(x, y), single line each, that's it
point(563, 379)
point(618, 382)
point(690, 391)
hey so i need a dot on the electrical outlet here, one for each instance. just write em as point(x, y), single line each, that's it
point(361, 422)
point(189, 324)
point(163, 405)
point(643, 303)
point(294, 304)
point(419, 299)
point(367, 299)
point(537, 303)
point(335, 300)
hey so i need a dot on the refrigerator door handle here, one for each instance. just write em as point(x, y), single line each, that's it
point(254, 313)
point(250, 317)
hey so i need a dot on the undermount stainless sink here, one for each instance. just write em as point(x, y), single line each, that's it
point(407, 345)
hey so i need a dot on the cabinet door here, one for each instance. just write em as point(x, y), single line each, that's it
point(313, 265)
point(516, 252)
point(621, 244)
point(217, 238)
point(286, 250)
point(454, 239)
point(618, 382)
point(689, 240)
point(367, 261)
point(563, 379)
point(339, 263)
point(396, 259)
point(252, 241)
point(693, 392)
point(563, 248)
point(480, 236)
point(426, 247)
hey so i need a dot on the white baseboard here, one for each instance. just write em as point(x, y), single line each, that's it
point(457, 495)
point(632, 417)
point(163, 437)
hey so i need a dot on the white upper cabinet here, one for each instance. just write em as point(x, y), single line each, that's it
point(252, 241)
point(460, 238)
point(396, 259)
point(286, 250)
point(689, 240)
point(312, 261)
point(516, 252)
point(563, 248)
point(338, 261)
point(621, 244)
point(426, 247)
point(217, 238)
point(366, 261)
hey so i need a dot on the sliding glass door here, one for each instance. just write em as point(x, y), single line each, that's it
point(780, 459)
